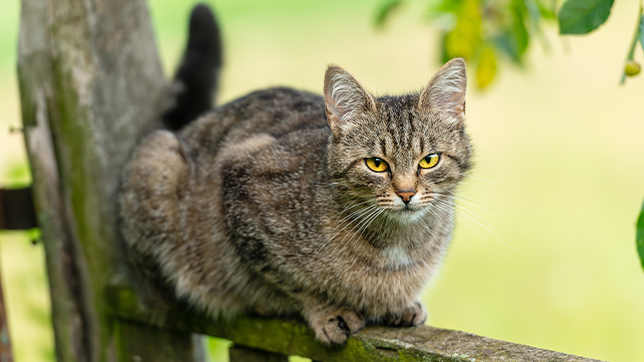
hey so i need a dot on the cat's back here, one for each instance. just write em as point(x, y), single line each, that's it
point(275, 112)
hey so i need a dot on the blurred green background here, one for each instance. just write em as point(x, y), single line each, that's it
point(559, 168)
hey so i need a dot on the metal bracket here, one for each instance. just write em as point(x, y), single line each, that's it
point(17, 209)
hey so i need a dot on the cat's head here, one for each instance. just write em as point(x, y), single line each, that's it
point(404, 154)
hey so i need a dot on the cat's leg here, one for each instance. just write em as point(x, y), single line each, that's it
point(153, 183)
point(332, 325)
point(413, 315)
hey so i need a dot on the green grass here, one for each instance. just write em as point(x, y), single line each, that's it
point(561, 143)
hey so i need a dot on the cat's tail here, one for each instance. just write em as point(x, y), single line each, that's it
point(197, 78)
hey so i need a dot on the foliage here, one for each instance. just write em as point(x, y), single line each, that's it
point(385, 9)
point(480, 31)
point(639, 35)
point(641, 28)
point(583, 16)
point(640, 235)
point(483, 31)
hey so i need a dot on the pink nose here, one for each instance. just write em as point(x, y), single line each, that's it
point(405, 195)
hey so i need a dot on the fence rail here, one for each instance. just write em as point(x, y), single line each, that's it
point(281, 338)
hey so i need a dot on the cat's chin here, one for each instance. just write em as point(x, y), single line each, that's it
point(407, 215)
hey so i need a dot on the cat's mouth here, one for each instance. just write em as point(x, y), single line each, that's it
point(407, 211)
point(407, 214)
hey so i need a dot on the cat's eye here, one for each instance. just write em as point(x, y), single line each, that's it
point(376, 164)
point(429, 161)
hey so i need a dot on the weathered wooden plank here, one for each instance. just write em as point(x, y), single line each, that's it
point(374, 343)
point(90, 85)
point(152, 343)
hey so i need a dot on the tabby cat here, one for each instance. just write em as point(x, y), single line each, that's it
point(336, 208)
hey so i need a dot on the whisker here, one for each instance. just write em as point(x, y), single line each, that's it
point(359, 225)
point(445, 224)
point(481, 237)
point(473, 214)
point(346, 219)
point(472, 217)
point(473, 203)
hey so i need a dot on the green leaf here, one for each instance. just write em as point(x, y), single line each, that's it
point(640, 235)
point(513, 43)
point(486, 69)
point(439, 7)
point(546, 11)
point(444, 57)
point(533, 12)
point(519, 29)
point(507, 45)
point(464, 40)
point(583, 16)
point(443, 13)
point(385, 10)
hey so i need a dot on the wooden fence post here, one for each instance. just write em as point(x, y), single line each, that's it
point(90, 85)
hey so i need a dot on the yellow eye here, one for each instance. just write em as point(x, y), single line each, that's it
point(429, 161)
point(376, 164)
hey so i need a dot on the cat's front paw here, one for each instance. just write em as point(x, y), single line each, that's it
point(333, 327)
point(408, 317)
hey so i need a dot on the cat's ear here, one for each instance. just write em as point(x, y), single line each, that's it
point(446, 91)
point(345, 98)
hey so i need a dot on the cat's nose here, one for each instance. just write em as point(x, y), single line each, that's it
point(405, 195)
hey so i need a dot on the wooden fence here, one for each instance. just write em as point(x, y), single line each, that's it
point(91, 86)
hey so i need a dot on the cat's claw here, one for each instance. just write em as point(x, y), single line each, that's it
point(409, 317)
point(335, 327)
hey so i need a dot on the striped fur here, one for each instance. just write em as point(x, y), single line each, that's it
point(266, 205)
